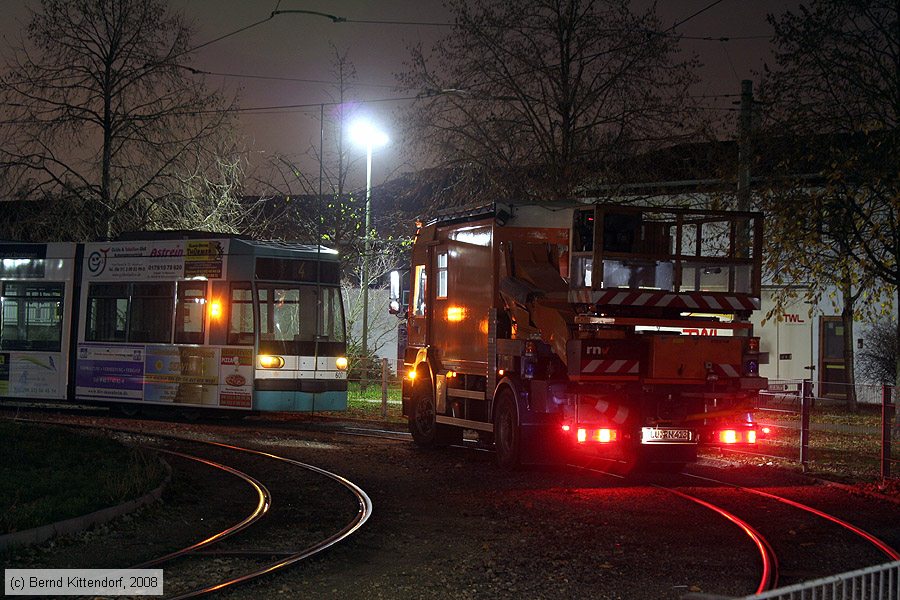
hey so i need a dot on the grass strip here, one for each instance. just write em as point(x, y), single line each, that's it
point(48, 474)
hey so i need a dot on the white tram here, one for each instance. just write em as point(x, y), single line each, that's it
point(176, 319)
point(36, 291)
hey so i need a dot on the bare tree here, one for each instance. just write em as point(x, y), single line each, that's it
point(543, 96)
point(835, 88)
point(99, 111)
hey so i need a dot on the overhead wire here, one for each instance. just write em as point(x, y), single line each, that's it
point(337, 19)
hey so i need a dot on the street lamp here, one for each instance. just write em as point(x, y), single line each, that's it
point(366, 134)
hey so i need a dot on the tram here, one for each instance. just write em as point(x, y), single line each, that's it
point(174, 318)
point(36, 290)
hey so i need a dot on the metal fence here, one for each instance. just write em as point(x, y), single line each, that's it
point(819, 432)
point(881, 582)
point(374, 384)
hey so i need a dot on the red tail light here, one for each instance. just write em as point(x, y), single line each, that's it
point(601, 436)
point(737, 436)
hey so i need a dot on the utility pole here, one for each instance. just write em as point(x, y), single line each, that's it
point(745, 150)
point(745, 154)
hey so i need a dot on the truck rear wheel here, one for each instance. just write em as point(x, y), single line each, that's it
point(507, 435)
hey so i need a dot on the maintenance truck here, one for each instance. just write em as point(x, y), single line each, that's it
point(618, 331)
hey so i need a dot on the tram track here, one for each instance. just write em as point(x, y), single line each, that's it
point(262, 507)
point(201, 549)
point(883, 547)
point(722, 555)
point(286, 559)
point(770, 564)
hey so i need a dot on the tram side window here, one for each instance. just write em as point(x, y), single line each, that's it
point(107, 312)
point(332, 325)
point(190, 312)
point(150, 312)
point(240, 324)
point(32, 316)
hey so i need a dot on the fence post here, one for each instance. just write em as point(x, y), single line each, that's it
point(887, 422)
point(805, 402)
point(384, 387)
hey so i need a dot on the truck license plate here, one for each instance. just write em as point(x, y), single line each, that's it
point(665, 435)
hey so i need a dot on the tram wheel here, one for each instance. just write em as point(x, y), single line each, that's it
point(129, 410)
point(507, 435)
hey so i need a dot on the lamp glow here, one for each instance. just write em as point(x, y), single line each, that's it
point(364, 133)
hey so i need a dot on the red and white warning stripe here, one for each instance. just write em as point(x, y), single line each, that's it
point(725, 370)
point(689, 300)
point(618, 413)
point(610, 367)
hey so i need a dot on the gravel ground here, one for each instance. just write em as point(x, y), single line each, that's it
point(449, 524)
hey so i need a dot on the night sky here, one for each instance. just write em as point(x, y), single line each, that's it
point(299, 47)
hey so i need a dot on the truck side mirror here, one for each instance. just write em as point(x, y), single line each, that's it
point(398, 295)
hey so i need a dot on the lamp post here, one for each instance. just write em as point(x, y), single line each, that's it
point(366, 134)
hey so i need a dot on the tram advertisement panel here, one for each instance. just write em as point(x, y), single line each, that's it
point(156, 261)
point(181, 374)
point(31, 375)
point(236, 377)
point(166, 374)
point(110, 372)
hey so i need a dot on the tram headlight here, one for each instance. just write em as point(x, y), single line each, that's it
point(267, 361)
point(341, 363)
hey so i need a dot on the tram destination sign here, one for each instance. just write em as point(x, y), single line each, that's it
point(22, 261)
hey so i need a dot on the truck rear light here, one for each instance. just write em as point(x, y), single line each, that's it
point(753, 344)
point(605, 436)
point(601, 436)
point(751, 367)
point(530, 348)
point(728, 436)
point(737, 436)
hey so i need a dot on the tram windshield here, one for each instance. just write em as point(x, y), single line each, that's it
point(293, 317)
